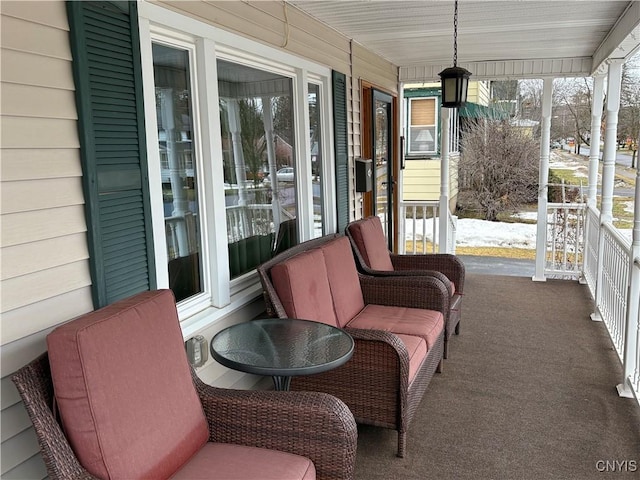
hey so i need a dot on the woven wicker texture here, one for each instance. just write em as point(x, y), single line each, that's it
point(315, 425)
point(443, 266)
point(374, 383)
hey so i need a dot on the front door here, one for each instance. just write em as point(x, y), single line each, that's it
point(382, 123)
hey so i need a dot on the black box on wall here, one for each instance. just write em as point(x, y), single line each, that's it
point(364, 175)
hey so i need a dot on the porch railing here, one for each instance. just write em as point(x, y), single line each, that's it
point(418, 232)
point(631, 362)
point(612, 292)
point(242, 222)
point(565, 240)
point(181, 234)
point(248, 220)
point(617, 299)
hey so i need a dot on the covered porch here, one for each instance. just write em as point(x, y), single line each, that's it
point(527, 392)
point(526, 40)
point(467, 423)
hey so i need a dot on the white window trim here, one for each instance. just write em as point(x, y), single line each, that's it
point(328, 168)
point(206, 44)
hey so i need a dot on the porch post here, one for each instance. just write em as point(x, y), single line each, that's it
point(630, 360)
point(594, 152)
point(176, 172)
point(543, 180)
point(614, 80)
point(443, 236)
point(238, 154)
point(267, 120)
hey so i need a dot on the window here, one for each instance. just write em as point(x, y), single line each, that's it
point(423, 136)
point(259, 155)
point(179, 178)
point(240, 161)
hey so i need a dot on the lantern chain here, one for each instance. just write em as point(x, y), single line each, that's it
point(455, 34)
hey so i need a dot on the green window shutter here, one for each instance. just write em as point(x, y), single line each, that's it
point(107, 71)
point(341, 146)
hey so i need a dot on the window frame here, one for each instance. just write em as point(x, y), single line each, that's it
point(327, 168)
point(206, 45)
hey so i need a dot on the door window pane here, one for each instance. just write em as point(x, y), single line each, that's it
point(259, 164)
point(315, 132)
point(179, 177)
point(384, 187)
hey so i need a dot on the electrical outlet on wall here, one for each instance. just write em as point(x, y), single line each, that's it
point(197, 351)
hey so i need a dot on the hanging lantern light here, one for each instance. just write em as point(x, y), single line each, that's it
point(454, 80)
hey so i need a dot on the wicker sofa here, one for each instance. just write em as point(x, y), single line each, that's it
point(128, 405)
point(374, 258)
point(397, 324)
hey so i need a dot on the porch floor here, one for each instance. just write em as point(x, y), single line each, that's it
point(528, 392)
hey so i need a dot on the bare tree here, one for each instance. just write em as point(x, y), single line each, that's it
point(530, 97)
point(253, 142)
point(629, 123)
point(573, 97)
point(499, 165)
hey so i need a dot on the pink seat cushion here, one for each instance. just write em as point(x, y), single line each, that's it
point(343, 279)
point(417, 350)
point(237, 462)
point(124, 389)
point(427, 324)
point(369, 239)
point(303, 288)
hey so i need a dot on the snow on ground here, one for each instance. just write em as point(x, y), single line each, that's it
point(472, 232)
point(556, 160)
point(629, 206)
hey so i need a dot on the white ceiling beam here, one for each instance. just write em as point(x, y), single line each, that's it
point(623, 39)
point(503, 69)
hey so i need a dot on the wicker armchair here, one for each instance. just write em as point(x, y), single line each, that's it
point(383, 383)
point(373, 258)
point(312, 425)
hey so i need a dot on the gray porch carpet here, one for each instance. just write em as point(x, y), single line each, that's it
point(528, 392)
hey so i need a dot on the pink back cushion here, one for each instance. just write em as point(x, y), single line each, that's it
point(343, 279)
point(369, 239)
point(124, 389)
point(303, 288)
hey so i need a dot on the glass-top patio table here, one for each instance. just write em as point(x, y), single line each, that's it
point(282, 348)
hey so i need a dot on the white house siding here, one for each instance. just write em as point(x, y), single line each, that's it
point(45, 274)
point(478, 92)
point(421, 180)
point(383, 75)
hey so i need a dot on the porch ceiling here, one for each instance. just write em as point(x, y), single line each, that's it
point(496, 39)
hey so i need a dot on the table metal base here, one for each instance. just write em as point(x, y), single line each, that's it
point(281, 382)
